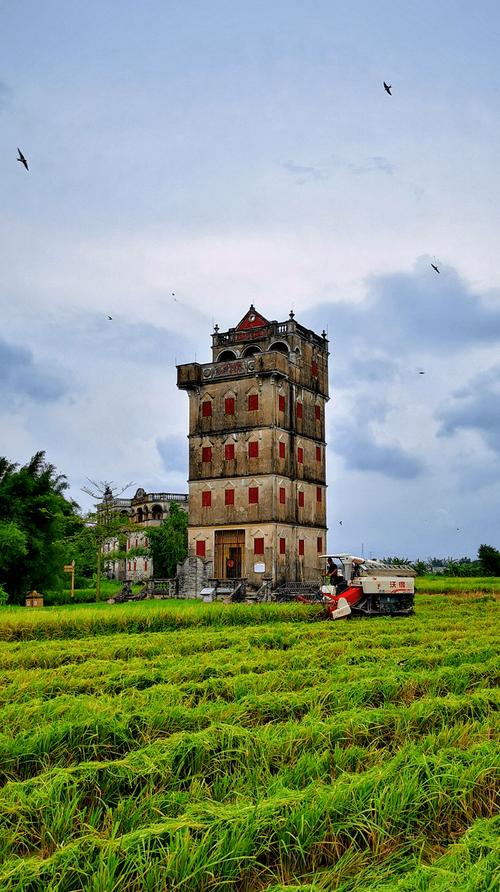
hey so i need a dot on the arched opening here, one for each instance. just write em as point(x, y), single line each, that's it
point(157, 512)
point(251, 350)
point(140, 515)
point(226, 356)
point(280, 347)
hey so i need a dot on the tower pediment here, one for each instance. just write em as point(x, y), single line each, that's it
point(251, 319)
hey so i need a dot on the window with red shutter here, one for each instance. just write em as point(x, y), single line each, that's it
point(229, 451)
point(300, 455)
point(301, 499)
point(200, 548)
point(317, 413)
point(129, 565)
point(301, 546)
point(282, 449)
point(282, 546)
point(253, 495)
point(299, 410)
point(135, 566)
point(318, 453)
point(318, 494)
point(206, 408)
point(145, 566)
point(206, 453)
point(319, 544)
point(314, 369)
point(282, 495)
point(253, 401)
point(229, 496)
point(253, 449)
point(281, 403)
point(229, 405)
point(206, 498)
point(258, 546)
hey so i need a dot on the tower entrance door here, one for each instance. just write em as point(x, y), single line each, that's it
point(229, 545)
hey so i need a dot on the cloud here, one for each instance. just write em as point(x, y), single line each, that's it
point(173, 451)
point(475, 407)
point(373, 163)
point(21, 376)
point(304, 173)
point(361, 453)
point(415, 311)
point(5, 93)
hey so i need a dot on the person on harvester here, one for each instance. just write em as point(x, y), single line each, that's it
point(336, 577)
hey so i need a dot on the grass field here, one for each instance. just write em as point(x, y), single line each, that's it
point(175, 746)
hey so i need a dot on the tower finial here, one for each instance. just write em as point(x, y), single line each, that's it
point(292, 314)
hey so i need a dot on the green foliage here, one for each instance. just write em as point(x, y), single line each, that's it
point(4, 597)
point(34, 517)
point(489, 558)
point(169, 542)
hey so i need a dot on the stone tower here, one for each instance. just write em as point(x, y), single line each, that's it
point(257, 474)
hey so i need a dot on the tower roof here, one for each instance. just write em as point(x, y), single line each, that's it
point(252, 319)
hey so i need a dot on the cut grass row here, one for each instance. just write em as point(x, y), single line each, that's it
point(108, 732)
point(17, 624)
point(414, 800)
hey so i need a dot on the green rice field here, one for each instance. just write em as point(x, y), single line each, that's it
point(182, 746)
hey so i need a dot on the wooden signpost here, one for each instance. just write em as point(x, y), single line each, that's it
point(70, 568)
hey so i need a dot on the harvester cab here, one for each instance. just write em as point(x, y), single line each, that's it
point(366, 587)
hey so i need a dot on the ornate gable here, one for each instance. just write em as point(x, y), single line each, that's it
point(251, 319)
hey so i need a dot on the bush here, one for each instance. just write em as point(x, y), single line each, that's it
point(3, 596)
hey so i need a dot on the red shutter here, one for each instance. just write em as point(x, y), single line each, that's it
point(258, 546)
point(317, 413)
point(281, 403)
point(253, 449)
point(206, 453)
point(206, 408)
point(299, 410)
point(301, 499)
point(229, 451)
point(229, 405)
point(253, 495)
point(282, 449)
point(282, 495)
point(282, 546)
point(318, 494)
point(145, 566)
point(319, 544)
point(229, 496)
point(300, 455)
point(206, 498)
point(318, 453)
point(200, 548)
point(301, 546)
point(314, 369)
point(135, 566)
point(253, 402)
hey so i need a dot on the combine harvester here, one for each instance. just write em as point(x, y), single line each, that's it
point(363, 587)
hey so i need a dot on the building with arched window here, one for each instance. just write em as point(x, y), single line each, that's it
point(257, 467)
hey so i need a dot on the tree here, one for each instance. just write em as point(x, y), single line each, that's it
point(169, 542)
point(489, 558)
point(34, 517)
point(106, 523)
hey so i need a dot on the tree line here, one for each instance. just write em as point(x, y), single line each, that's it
point(42, 529)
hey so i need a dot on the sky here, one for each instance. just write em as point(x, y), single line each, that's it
point(237, 153)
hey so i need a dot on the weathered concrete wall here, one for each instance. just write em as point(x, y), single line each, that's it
point(193, 574)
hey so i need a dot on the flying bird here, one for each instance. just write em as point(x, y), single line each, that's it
point(110, 317)
point(340, 523)
point(174, 297)
point(22, 159)
point(421, 373)
point(387, 88)
point(435, 267)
